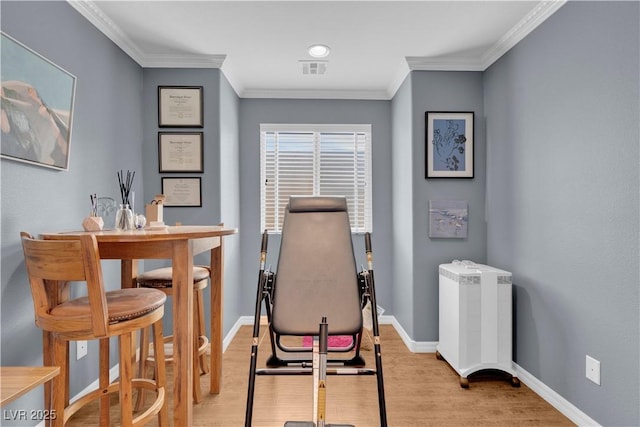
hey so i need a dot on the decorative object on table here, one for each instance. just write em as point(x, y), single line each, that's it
point(449, 145)
point(180, 152)
point(37, 107)
point(93, 222)
point(124, 215)
point(185, 192)
point(180, 106)
point(448, 219)
point(140, 221)
point(154, 211)
point(107, 207)
point(124, 218)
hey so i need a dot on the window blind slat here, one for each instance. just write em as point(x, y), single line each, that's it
point(315, 160)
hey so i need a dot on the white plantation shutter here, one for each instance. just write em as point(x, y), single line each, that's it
point(315, 160)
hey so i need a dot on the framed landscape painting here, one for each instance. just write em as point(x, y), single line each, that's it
point(37, 107)
point(449, 145)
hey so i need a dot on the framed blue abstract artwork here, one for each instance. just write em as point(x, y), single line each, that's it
point(37, 107)
point(449, 144)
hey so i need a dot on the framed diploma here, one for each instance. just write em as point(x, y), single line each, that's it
point(180, 106)
point(180, 152)
point(182, 192)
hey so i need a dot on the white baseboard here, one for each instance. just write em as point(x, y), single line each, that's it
point(413, 346)
point(554, 399)
point(242, 321)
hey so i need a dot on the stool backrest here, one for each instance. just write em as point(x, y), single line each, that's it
point(52, 263)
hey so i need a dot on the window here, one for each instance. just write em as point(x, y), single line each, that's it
point(315, 160)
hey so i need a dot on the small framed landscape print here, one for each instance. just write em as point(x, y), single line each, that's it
point(449, 145)
point(180, 106)
point(184, 192)
point(448, 219)
point(180, 152)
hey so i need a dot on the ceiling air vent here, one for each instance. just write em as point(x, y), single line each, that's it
point(314, 67)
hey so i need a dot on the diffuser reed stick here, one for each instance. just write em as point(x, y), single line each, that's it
point(125, 184)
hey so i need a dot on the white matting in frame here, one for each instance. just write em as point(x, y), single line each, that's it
point(180, 106)
point(449, 144)
point(184, 192)
point(180, 152)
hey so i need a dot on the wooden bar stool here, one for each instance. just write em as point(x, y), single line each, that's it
point(162, 279)
point(51, 266)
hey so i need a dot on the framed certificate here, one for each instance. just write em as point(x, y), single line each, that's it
point(180, 106)
point(180, 152)
point(182, 192)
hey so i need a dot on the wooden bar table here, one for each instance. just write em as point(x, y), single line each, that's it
point(179, 244)
point(16, 381)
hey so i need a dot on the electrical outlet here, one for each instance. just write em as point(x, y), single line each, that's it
point(593, 369)
point(81, 349)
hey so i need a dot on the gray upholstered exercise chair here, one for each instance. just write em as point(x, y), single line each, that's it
point(316, 278)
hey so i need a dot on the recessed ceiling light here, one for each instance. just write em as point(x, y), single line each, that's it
point(319, 50)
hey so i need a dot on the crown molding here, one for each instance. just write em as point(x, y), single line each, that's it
point(544, 9)
point(423, 63)
point(90, 11)
point(93, 14)
point(315, 94)
point(524, 27)
point(397, 80)
point(183, 61)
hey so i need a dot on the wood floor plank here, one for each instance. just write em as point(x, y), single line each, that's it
point(421, 391)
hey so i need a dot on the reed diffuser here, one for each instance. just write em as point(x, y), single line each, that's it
point(124, 216)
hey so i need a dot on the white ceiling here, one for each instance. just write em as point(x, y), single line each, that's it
point(259, 44)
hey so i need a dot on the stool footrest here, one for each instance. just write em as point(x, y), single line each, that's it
point(114, 387)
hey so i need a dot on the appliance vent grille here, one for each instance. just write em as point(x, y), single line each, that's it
point(314, 67)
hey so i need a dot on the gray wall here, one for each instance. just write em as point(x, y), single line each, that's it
point(556, 148)
point(220, 177)
point(107, 136)
point(402, 196)
point(209, 79)
point(443, 91)
point(230, 200)
point(256, 111)
point(562, 199)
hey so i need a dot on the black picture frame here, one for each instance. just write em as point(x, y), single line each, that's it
point(182, 191)
point(180, 106)
point(180, 152)
point(449, 144)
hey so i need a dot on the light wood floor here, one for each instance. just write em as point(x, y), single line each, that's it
point(420, 391)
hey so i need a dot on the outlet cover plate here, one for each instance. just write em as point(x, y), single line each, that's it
point(593, 369)
point(81, 349)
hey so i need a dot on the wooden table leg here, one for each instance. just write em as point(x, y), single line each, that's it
point(128, 274)
point(217, 274)
point(182, 264)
